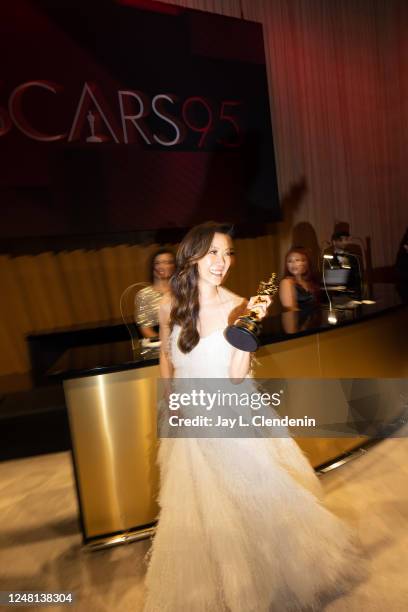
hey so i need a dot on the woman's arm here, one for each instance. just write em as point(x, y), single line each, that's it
point(287, 294)
point(166, 367)
point(241, 360)
point(239, 365)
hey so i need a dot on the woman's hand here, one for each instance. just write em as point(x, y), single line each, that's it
point(259, 304)
point(240, 360)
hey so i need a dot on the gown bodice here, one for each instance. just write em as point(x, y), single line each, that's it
point(210, 358)
point(304, 297)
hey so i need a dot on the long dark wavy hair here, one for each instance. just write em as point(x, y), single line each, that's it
point(184, 283)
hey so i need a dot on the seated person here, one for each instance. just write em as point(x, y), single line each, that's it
point(343, 258)
point(147, 300)
point(298, 289)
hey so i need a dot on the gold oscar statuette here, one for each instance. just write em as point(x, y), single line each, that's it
point(244, 333)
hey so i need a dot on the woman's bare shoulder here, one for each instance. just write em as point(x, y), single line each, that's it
point(236, 303)
point(287, 283)
point(232, 298)
point(165, 304)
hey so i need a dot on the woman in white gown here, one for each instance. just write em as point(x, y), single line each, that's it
point(242, 526)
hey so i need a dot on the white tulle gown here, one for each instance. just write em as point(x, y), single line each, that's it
point(242, 527)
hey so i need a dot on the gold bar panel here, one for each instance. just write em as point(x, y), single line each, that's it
point(113, 420)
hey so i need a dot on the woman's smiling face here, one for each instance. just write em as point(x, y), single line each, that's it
point(213, 267)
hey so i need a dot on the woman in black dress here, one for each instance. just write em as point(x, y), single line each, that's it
point(298, 290)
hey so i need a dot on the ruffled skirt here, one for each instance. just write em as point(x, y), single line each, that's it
point(242, 528)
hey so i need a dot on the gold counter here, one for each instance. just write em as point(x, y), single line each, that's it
point(113, 420)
